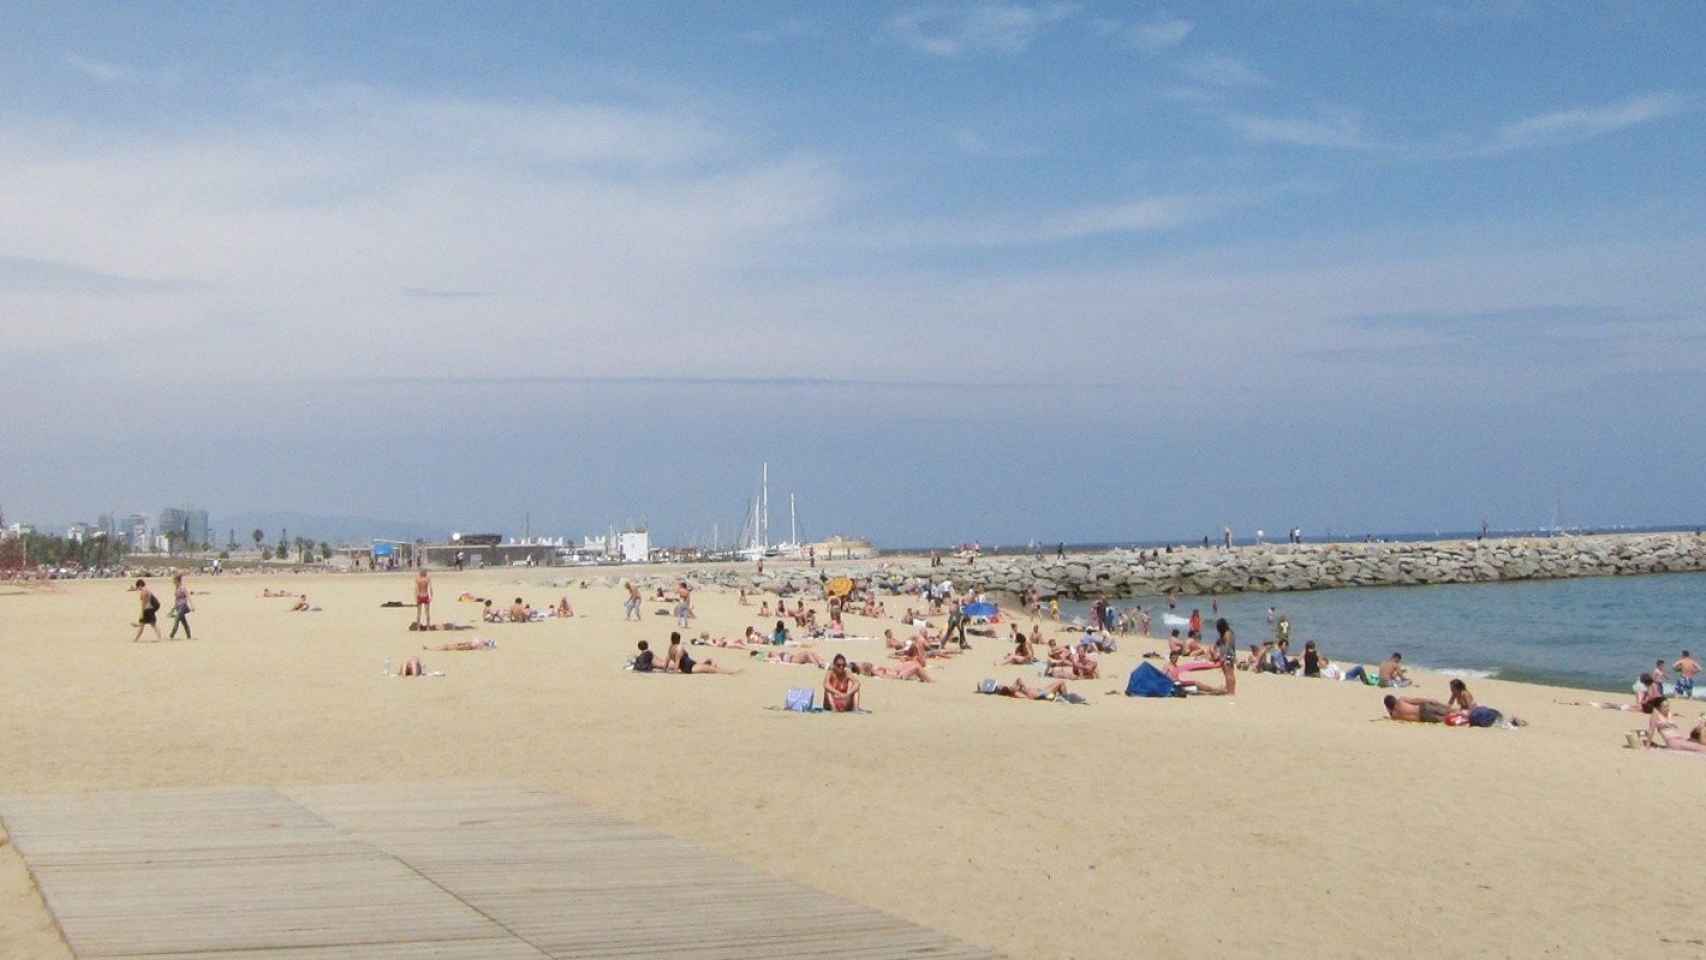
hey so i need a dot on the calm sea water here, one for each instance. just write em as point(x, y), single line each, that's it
point(1597, 632)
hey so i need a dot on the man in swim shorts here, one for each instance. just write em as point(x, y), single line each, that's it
point(1416, 709)
point(1686, 668)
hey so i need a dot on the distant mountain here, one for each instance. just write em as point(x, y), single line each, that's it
point(332, 529)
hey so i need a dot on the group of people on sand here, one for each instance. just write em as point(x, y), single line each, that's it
point(1460, 709)
point(149, 616)
point(520, 611)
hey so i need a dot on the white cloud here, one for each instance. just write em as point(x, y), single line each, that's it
point(1006, 28)
point(1583, 123)
point(101, 71)
point(1220, 70)
point(1155, 35)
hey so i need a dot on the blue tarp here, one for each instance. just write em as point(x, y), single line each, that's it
point(984, 610)
point(383, 549)
point(1146, 681)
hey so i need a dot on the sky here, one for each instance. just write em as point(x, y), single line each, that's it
point(956, 271)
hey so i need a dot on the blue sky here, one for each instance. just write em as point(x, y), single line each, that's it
point(1080, 270)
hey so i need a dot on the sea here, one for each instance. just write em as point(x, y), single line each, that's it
point(1597, 633)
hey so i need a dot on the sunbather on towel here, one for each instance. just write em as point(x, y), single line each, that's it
point(1664, 732)
point(1020, 690)
point(792, 656)
point(678, 661)
point(1416, 709)
point(478, 643)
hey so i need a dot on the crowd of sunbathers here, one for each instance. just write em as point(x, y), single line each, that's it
point(522, 612)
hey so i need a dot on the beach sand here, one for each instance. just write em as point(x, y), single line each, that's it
point(1288, 820)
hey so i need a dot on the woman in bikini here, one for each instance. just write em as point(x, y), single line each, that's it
point(1022, 652)
point(478, 643)
point(679, 662)
point(1020, 690)
point(1665, 733)
point(840, 687)
point(792, 656)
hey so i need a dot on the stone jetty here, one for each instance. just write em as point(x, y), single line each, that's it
point(1278, 567)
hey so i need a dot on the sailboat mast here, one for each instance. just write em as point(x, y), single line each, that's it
point(764, 498)
point(793, 523)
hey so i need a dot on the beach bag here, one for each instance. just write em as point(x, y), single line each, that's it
point(1457, 720)
point(1484, 717)
point(153, 603)
point(987, 686)
point(798, 699)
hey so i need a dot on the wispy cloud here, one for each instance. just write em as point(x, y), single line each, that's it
point(982, 28)
point(1336, 128)
point(1136, 216)
point(793, 28)
point(33, 276)
point(1583, 123)
point(1221, 70)
point(101, 71)
point(1160, 33)
point(1341, 128)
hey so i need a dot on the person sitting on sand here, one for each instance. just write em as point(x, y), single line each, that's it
point(779, 636)
point(914, 664)
point(1392, 671)
point(1416, 709)
point(1651, 692)
point(840, 687)
point(518, 611)
point(563, 608)
point(1313, 660)
point(412, 667)
point(1084, 663)
point(1022, 652)
point(677, 660)
point(1189, 685)
point(646, 661)
point(478, 643)
point(301, 605)
point(891, 641)
point(792, 656)
point(1663, 731)
point(490, 615)
point(1461, 699)
point(1020, 690)
point(764, 610)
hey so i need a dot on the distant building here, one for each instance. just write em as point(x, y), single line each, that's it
point(188, 521)
point(79, 532)
point(135, 532)
point(20, 530)
point(634, 546)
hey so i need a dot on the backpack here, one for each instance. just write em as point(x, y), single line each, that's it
point(799, 699)
point(153, 603)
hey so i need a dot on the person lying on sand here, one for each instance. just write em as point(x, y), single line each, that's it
point(490, 614)
point(677, 660)
point(301, 605)
point(1416, 709)
point(1020, 690)
point(792, 656)
point(270, 592)
point(1663, 731)
point(478, 643)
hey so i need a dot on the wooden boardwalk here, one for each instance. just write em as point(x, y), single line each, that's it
point(448, 872)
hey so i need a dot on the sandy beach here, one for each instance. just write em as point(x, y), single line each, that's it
point(1291, 819)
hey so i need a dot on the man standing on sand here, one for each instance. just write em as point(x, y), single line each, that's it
point(1226, 537)
point(631, 607)
point(1686, 668)
point(423, 597)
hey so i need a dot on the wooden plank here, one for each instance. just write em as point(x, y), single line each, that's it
point(422, 872)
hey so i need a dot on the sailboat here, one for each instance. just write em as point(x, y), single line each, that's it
point(755, 533)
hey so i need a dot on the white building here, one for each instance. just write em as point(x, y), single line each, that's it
point(634, 546)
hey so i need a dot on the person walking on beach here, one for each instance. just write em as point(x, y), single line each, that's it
point(150, 609)
point(180, 608)
point(423, 597)
point(631, 607)
point(1226, 537)
point(1226, 650)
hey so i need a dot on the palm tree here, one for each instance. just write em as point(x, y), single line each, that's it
point(259, 536)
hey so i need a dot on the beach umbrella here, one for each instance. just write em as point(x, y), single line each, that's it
point(982, 610)
point(840, 587)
